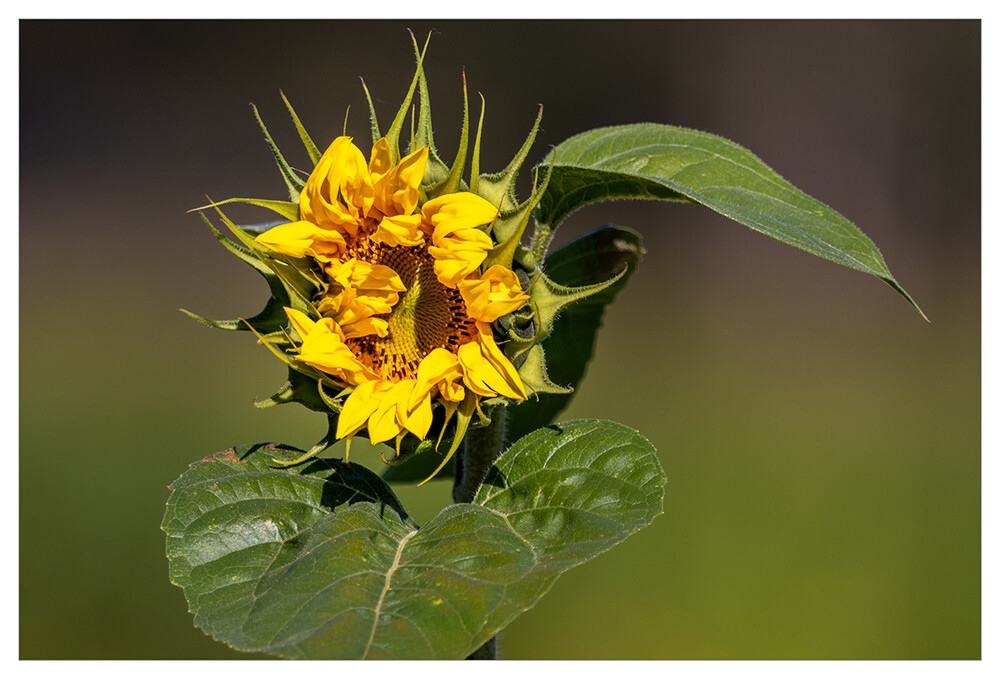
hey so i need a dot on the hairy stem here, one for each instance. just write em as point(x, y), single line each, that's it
point(479, 451)
point(487, 651)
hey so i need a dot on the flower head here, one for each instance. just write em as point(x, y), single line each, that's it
point(399, 293)
point(403, 311)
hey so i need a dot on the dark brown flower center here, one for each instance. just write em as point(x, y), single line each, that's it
point(428, 315)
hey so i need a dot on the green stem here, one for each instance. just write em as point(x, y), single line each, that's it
point(476, 456)
point(487, 651)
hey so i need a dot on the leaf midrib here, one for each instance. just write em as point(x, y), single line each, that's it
point(701, 198)
point(385, 589)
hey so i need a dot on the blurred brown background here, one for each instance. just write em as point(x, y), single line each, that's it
point(821, 440)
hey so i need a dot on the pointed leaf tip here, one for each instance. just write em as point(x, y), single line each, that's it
point(652, 161)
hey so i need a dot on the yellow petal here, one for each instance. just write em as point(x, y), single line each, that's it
point(366, 326)
point(339, 192)
point(477, 370)
point(327, 352)
point(357, 274)
point(306, 326)
point(377, 301)
point(441, 369)
point(494, 294)
point(458, 259)
point(303, 325)
point(359, 406)
point(396, 190)
point(384, 423)
point(458, 211)
point(299, 239)
point(458, 247)
point(500, 363)
point(487, 371)
point(331, 303)
point(416, 417)
point(358, 291)
point(355, 182)
point(381, 160)
point(353, 317)
point(402, 230)
point(323, 348)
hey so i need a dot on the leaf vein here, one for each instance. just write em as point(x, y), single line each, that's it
point(385, 588)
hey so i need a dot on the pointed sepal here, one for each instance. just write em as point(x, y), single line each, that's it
point(508, 229)
point(452, 183)
point(474, 175)
point(287, 209)
point(269, 319)
point(396, 128)
point(372, 116)
point(423, 135)
point(499, 188)
point(272, 317)
point(296, 275)
point(293, 181)
point(550, 298)
point(535, 376)
point(589, 263)
point(305, 389)
point(311, 149)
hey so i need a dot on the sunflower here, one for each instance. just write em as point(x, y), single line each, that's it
point(404, 313)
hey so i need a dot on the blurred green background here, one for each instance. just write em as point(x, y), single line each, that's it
point(821, 440)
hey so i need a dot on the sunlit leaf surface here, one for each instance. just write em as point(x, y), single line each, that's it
point(674, 163)
point(322, 562)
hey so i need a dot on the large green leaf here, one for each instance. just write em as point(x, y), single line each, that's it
point(674, 163)
point(591, 258)
point(321, 562)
